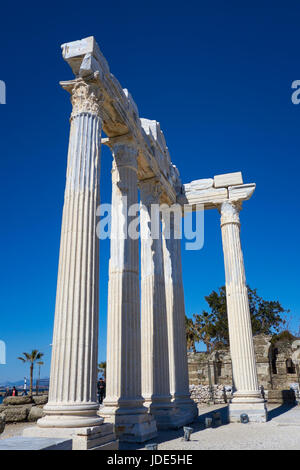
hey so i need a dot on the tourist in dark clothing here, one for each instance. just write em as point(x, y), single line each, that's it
point(101, 390)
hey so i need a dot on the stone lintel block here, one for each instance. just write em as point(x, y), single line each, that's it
point(228, 179)
point(241, 192)
point(199, 184)
point(74, 52)
point(121, 113)
point(208, 197)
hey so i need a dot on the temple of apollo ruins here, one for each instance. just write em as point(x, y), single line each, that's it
point(147, 374)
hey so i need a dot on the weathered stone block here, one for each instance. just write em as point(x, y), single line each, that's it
point(2, 423)
point(35, 413)
point(40, 399)
point(16, 413)
point(17, 400)
point(228, 179)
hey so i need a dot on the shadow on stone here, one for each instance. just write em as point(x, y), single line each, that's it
point(281, 409)
point(169, 435)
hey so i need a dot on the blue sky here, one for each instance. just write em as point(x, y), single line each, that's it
point(216, 75)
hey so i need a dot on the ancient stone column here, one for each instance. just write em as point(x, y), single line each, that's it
point(124, 402)
point(247, 397)
point(178, 365)
point(73, 393)
point(155, 353)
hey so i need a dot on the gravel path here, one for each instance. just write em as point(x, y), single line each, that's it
point(282, 431)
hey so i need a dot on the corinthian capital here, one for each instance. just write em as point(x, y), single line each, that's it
point(151, 191)
point(86, 96)
point(124, 150)
point(230, 211)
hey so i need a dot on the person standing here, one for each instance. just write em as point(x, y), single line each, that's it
point(101, 390)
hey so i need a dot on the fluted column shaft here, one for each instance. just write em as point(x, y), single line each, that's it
point(72, 394)
point(239, 322)
point(179, 380)
point(123, 388)
point(155, 354)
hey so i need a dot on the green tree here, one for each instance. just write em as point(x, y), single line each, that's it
point(32, 358)
point(191, 334)
point(212, 326)
point(205, 328)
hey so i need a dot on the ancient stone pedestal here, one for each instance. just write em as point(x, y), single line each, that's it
point(72, 395)
point(247, 397)
point(124, 402)
point(178, 366)
point(98, 438)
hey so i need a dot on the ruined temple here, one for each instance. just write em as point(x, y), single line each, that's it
point(277, 365)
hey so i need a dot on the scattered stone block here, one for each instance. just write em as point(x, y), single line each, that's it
point(40, 399)
point(16, 413)
point(228, 179)
point(98, 438)
point(2, 423)
point(35, 413)
point(17, 400)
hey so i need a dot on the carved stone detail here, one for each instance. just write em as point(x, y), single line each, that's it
point(152, 191)
point(86, 96)
point(230, 212)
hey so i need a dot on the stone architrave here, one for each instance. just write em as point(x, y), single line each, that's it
point(155, 353)
point(124, 402)
point(247, 397)
point(73, 392)
point(178, 365)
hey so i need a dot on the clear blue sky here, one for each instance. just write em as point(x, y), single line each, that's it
point(216, 75)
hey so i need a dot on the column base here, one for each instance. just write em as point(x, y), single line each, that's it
point(131, 424)
point(90, 438)
point(70, 416)
point(188, 408)
point(171, 415)
point(256, 409)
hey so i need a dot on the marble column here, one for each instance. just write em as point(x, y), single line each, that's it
point(247, 397)
point(124, 402)
point(72, 394)
point(178, 365)
point(155, 353)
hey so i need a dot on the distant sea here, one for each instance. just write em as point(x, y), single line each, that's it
point(1, 399)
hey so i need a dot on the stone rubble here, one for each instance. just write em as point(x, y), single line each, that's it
point(217, 394)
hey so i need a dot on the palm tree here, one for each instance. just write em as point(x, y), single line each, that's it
point(40, 363)
point(32, 358)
